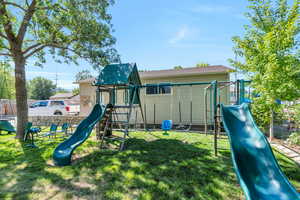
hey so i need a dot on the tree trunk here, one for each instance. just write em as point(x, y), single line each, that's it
point(21, 96)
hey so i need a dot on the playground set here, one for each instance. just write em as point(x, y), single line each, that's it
point(256, 167)
point(6, 108)
point(122, 81)
point(254, 162)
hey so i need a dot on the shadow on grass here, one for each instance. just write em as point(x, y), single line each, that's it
point(30, 168)
point(160, 169)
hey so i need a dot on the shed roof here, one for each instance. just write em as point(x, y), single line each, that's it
point(119, 74)
point(189, 71)
point(212, 69)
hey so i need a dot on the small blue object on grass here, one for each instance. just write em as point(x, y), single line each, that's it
point(246, 100)
point(166, 125)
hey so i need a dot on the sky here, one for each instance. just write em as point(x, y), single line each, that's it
point(161, 34)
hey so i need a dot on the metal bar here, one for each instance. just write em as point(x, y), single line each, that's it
point(242, 91)
point(166, 84)
point(145, 121)
point(205, 110)
point(179, 108)
point(238, 92)
point(191, 112)
point(98, 100)
point(181, 84)
point(154, 110)
point(215, 91)
point(135, 122)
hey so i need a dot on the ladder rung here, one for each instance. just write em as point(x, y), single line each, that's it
point(118, 113)
point(121, 106)
point(125, 106)
point(120, 122)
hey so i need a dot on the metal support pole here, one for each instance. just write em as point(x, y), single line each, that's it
point(219, 112)
point(154, 109)
point(135, 122)
point(145, 122)
point(242, 91)
point(191, 112)
point(99, 123)
point(215, 91)
point(205, 111)
point(179, 108)
point(238, 92)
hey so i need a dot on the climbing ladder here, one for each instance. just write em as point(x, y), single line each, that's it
point(116, 119)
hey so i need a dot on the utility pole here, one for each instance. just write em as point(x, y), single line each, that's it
point(56, 78)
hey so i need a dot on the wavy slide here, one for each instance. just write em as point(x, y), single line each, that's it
point(63, 152)
point(256, 167)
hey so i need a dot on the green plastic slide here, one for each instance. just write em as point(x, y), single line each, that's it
point(63, 152)
point(256, 167)
point(6, 126)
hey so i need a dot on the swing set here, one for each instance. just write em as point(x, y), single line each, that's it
point(120, 99)
point(186, 114)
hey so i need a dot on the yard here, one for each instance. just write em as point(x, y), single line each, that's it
point(154, 166)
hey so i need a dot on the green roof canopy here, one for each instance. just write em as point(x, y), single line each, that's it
point(119, 75)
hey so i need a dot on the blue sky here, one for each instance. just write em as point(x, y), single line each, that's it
point(161, 34)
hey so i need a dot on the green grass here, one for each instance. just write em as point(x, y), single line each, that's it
point(154, 166)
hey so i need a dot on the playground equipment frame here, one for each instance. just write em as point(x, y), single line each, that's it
point(213, 89)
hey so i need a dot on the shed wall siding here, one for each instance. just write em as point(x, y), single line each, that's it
point(166, 105)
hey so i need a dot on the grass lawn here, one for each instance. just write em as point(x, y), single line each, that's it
point(154, 166)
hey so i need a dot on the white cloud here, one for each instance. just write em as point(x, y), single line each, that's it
point(211, 9)
point(183, 33)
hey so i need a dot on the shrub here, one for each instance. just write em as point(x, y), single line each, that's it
point(294, 138)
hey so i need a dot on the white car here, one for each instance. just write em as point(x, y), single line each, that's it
point(52, 107)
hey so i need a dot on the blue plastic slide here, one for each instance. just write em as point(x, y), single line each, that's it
point(63, 152)
point(6, 126)
point(256, 167)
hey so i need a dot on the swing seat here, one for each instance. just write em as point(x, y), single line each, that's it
point(166, 125)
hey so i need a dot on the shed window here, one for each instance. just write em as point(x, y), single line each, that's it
point(152, 90)
point(162, 89)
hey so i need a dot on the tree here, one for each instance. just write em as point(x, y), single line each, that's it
point(202, 64)
point(269, 50)
point(178, 67)
point(75, 91)
point(6, 81)
point(41, 88)
point(82, 75)
point(66, 29)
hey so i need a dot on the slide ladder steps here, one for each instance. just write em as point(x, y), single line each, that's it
point(118, 120)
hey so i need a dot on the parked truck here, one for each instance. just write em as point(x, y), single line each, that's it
point(53, 107)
